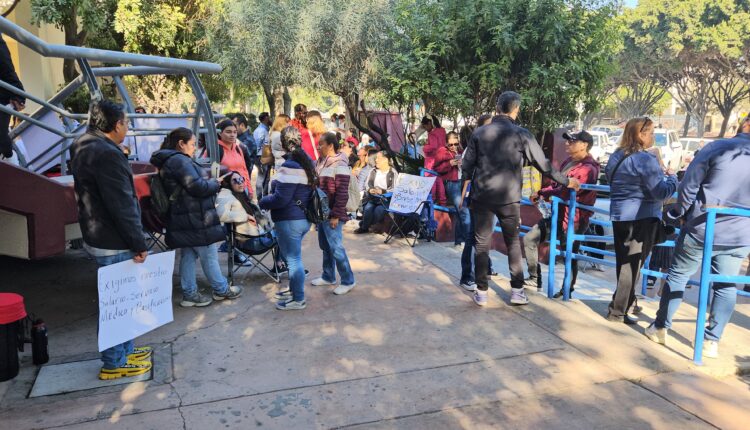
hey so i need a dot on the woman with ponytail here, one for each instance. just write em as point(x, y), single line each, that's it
point(192, 222)
point(291, 190)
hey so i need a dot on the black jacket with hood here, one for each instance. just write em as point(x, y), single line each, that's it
point(108, 210)
point(192, 219)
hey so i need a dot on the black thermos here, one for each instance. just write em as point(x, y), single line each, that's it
point(39, 342)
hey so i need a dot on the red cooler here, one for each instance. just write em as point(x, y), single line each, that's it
point(12, 311)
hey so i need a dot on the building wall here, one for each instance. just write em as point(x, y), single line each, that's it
point(41, 76)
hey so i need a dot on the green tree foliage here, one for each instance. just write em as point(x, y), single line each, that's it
point(254, 41)
point(151, 26)
point(84, 23)
point(457, 56)
point(688, 43)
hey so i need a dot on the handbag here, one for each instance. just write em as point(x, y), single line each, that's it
point(266, 155)
point(664, 230)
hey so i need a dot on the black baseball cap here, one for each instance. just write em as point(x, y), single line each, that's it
point(582, 135)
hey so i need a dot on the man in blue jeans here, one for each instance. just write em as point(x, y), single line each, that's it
point(717, 177)
point(109, 215)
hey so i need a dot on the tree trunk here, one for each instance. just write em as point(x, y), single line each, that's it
point(72, 39)
point(270, 98)
point(724, 124)
point(686, 125)
point(700, 125)
point(287, 101)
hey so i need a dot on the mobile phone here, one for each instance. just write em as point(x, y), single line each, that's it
point(215, 169)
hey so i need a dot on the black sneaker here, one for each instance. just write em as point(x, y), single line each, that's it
point(231, 293)
point(361, 231)
point(198, 300)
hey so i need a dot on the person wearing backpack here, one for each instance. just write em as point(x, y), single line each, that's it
point(334, 173)
point(291, 189)
point(192, 222)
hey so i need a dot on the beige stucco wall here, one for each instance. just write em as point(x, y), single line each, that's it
point(41, 76)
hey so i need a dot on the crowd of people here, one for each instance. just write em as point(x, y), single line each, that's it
point(266, 191)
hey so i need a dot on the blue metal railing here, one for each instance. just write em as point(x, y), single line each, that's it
point(706, 277)
point(452, 210)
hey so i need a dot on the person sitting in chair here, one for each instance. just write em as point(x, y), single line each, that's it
point(251, 226)
point(380, 181)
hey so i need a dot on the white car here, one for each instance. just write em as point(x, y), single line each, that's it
point(689, 146)
point(602, 148)
point(609, 129)
point(668, 144)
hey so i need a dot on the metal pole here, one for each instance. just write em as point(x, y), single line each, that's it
point(644, 278)
point(204, 106)
point(569, 245)
point(90, 79)
point(552, 249)
point(700, 324)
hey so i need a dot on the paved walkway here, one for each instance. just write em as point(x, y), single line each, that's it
point(405, 349)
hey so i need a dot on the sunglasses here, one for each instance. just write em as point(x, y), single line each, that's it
point(452, 145)
point(646, 122)
point(238, 180)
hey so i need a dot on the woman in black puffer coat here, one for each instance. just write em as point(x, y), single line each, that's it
point(192, 222)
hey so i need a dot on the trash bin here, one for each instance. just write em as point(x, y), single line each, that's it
point(12, 311)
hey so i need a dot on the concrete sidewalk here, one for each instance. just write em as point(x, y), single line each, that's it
point(407, 348)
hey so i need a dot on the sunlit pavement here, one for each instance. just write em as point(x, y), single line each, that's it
point(406, 348)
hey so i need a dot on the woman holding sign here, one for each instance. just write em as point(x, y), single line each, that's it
point(192, 222)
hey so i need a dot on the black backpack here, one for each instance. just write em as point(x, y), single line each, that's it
point(160, 201)
point(317, 209)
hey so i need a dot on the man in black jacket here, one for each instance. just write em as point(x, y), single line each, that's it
point(109, 215)
point(493, 161)
point(8, 74)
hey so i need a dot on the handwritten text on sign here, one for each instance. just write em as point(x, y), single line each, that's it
point(410, 191)
point(134, 298)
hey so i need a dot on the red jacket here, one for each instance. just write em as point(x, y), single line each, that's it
point(435, 140)
point(308, 144)
point(334, 174)
point(587, 172)
point(443, 164)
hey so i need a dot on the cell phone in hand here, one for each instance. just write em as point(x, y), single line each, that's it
point(215, 169)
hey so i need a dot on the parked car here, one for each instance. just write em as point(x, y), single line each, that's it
point(668, 144)
point(609, 129)
point(689, 146)
point(602, 148)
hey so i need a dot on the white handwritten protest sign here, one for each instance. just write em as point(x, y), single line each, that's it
point(410, 191)
point(134, 298)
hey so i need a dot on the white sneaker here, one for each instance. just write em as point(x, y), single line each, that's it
point(710, 348)
point(518, 296)
point(469, 286)
point(343, 289)
point(658, 335)
point(319, 282)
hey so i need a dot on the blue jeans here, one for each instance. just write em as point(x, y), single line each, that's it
point(289, 235)
point(686, 261)
point(462, 219)
point(117, 355)
point(468, 255)
point(331, 243)
point(209, 256)
point(373, 212)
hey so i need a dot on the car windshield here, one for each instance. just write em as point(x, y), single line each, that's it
point(660, 139)
point(694, 146)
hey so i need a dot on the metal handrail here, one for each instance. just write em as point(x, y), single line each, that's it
point(74, 52)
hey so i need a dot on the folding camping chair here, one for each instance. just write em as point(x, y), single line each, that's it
point(153, 227)
point(420, 220)
point(253, 250)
